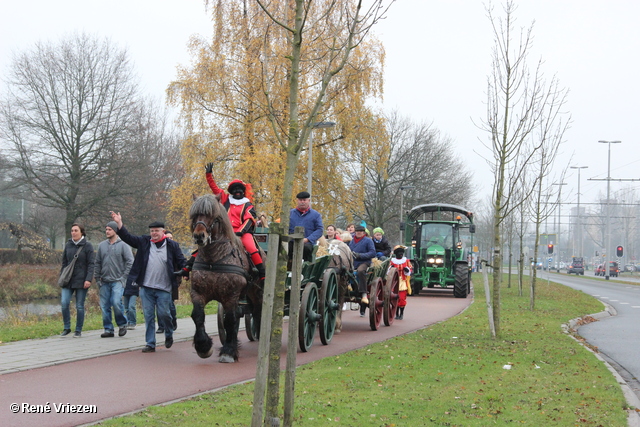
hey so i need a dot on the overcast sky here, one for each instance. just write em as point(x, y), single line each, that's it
point(438, 60)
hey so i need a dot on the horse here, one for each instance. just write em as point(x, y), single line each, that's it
point(342, 262)
point(222, 271)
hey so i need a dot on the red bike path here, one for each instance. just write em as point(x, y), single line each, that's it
point(130, 381)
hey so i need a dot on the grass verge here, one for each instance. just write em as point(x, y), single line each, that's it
point(450, 374)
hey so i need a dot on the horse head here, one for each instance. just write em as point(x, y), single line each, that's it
point(209, 221)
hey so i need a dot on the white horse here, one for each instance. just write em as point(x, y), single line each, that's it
point(342, 262)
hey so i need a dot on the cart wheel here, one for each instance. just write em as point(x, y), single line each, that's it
point(391, 289)
point(251, 327)
point(308, 316)
point(328, 305)
point(222, 334)
point(376, 303)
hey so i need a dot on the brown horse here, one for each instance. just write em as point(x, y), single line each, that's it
point(223, 272)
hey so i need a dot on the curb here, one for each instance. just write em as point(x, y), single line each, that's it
point(633, 417)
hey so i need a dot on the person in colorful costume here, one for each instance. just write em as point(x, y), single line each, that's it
point(403, 265)
point(241, 212)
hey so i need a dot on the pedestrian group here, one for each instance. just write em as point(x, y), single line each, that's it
point(155, 272)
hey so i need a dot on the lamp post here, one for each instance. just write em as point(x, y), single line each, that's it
point(402, 188)
point(318, 125)
point(579, 221)
point(557, 251)
point(608, 232)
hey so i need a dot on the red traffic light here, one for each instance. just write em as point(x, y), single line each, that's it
point(550, 248)
point(619, 251)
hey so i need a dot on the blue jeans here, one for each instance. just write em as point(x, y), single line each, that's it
point(174, 314)
point(129, 302)
point(65, 300)
point(152, 300)
point(111, 297)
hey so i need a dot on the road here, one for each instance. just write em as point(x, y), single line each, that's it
point(617, 338)
point(130, 380)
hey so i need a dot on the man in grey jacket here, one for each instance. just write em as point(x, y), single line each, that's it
point(113, 262)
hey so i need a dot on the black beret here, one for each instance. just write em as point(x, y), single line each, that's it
point(303, 195)
point(360, 228)
point(156, 224)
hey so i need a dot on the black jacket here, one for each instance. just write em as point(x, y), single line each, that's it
point(175, 259)
point(382, 246)
point(83, 270)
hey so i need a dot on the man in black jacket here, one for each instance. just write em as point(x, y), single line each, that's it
point(153, 266)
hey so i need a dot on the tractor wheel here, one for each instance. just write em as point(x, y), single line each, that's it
point(461, 285)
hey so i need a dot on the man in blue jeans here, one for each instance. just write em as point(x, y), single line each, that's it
point(113, 263)
point(153, 266)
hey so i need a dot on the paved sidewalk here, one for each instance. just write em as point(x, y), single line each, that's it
point(37, 353)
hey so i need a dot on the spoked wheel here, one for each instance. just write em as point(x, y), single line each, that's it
point(328, 305)
point(308, 316)
point(391, 289)
point(376, 303)
point(251, 327)
point(222, 334)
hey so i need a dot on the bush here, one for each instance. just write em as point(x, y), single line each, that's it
point(29, 256)
point(25, 282)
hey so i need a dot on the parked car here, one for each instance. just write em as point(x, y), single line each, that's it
point(630, 268)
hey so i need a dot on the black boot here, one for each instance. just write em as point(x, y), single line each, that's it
point(261, 271)
point(401, 310)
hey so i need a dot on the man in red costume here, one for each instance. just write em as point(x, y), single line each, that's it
point(241, 212)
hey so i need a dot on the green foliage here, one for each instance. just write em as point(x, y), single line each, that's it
point(450, 374)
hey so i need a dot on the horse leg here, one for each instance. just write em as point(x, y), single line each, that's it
point(201, 340)
point(229, 350)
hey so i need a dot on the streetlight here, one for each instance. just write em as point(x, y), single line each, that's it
point(560, 184)
point(402, 188)
point(318, 125)
point(579, 225)
point(608, 247)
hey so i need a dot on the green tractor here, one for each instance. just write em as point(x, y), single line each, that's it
point(439, 244)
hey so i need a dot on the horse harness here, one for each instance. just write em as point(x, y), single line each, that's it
point(220, 267)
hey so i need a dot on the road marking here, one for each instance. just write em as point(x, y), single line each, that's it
point(635, 306)
point(622, 303)
point(614, 300)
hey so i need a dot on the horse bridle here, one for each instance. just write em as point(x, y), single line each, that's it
point(209, 230)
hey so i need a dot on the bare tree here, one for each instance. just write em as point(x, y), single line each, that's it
point(518, 102)
point(409, 154)
point(71, 121)
point(337, 28)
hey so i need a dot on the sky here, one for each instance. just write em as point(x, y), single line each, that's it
point(437, 65)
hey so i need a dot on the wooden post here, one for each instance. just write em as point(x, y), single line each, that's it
point(294, 314)
point(265, 326)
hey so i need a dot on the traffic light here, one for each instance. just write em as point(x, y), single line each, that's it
point(619, 251)
point(550, 248)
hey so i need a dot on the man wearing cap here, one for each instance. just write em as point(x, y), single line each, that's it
point(304, 216)
point(363, 252)
point(113, 262)
point(153, 266)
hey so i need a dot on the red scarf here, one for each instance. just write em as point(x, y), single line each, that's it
point(159, 240)
point(357, 240)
